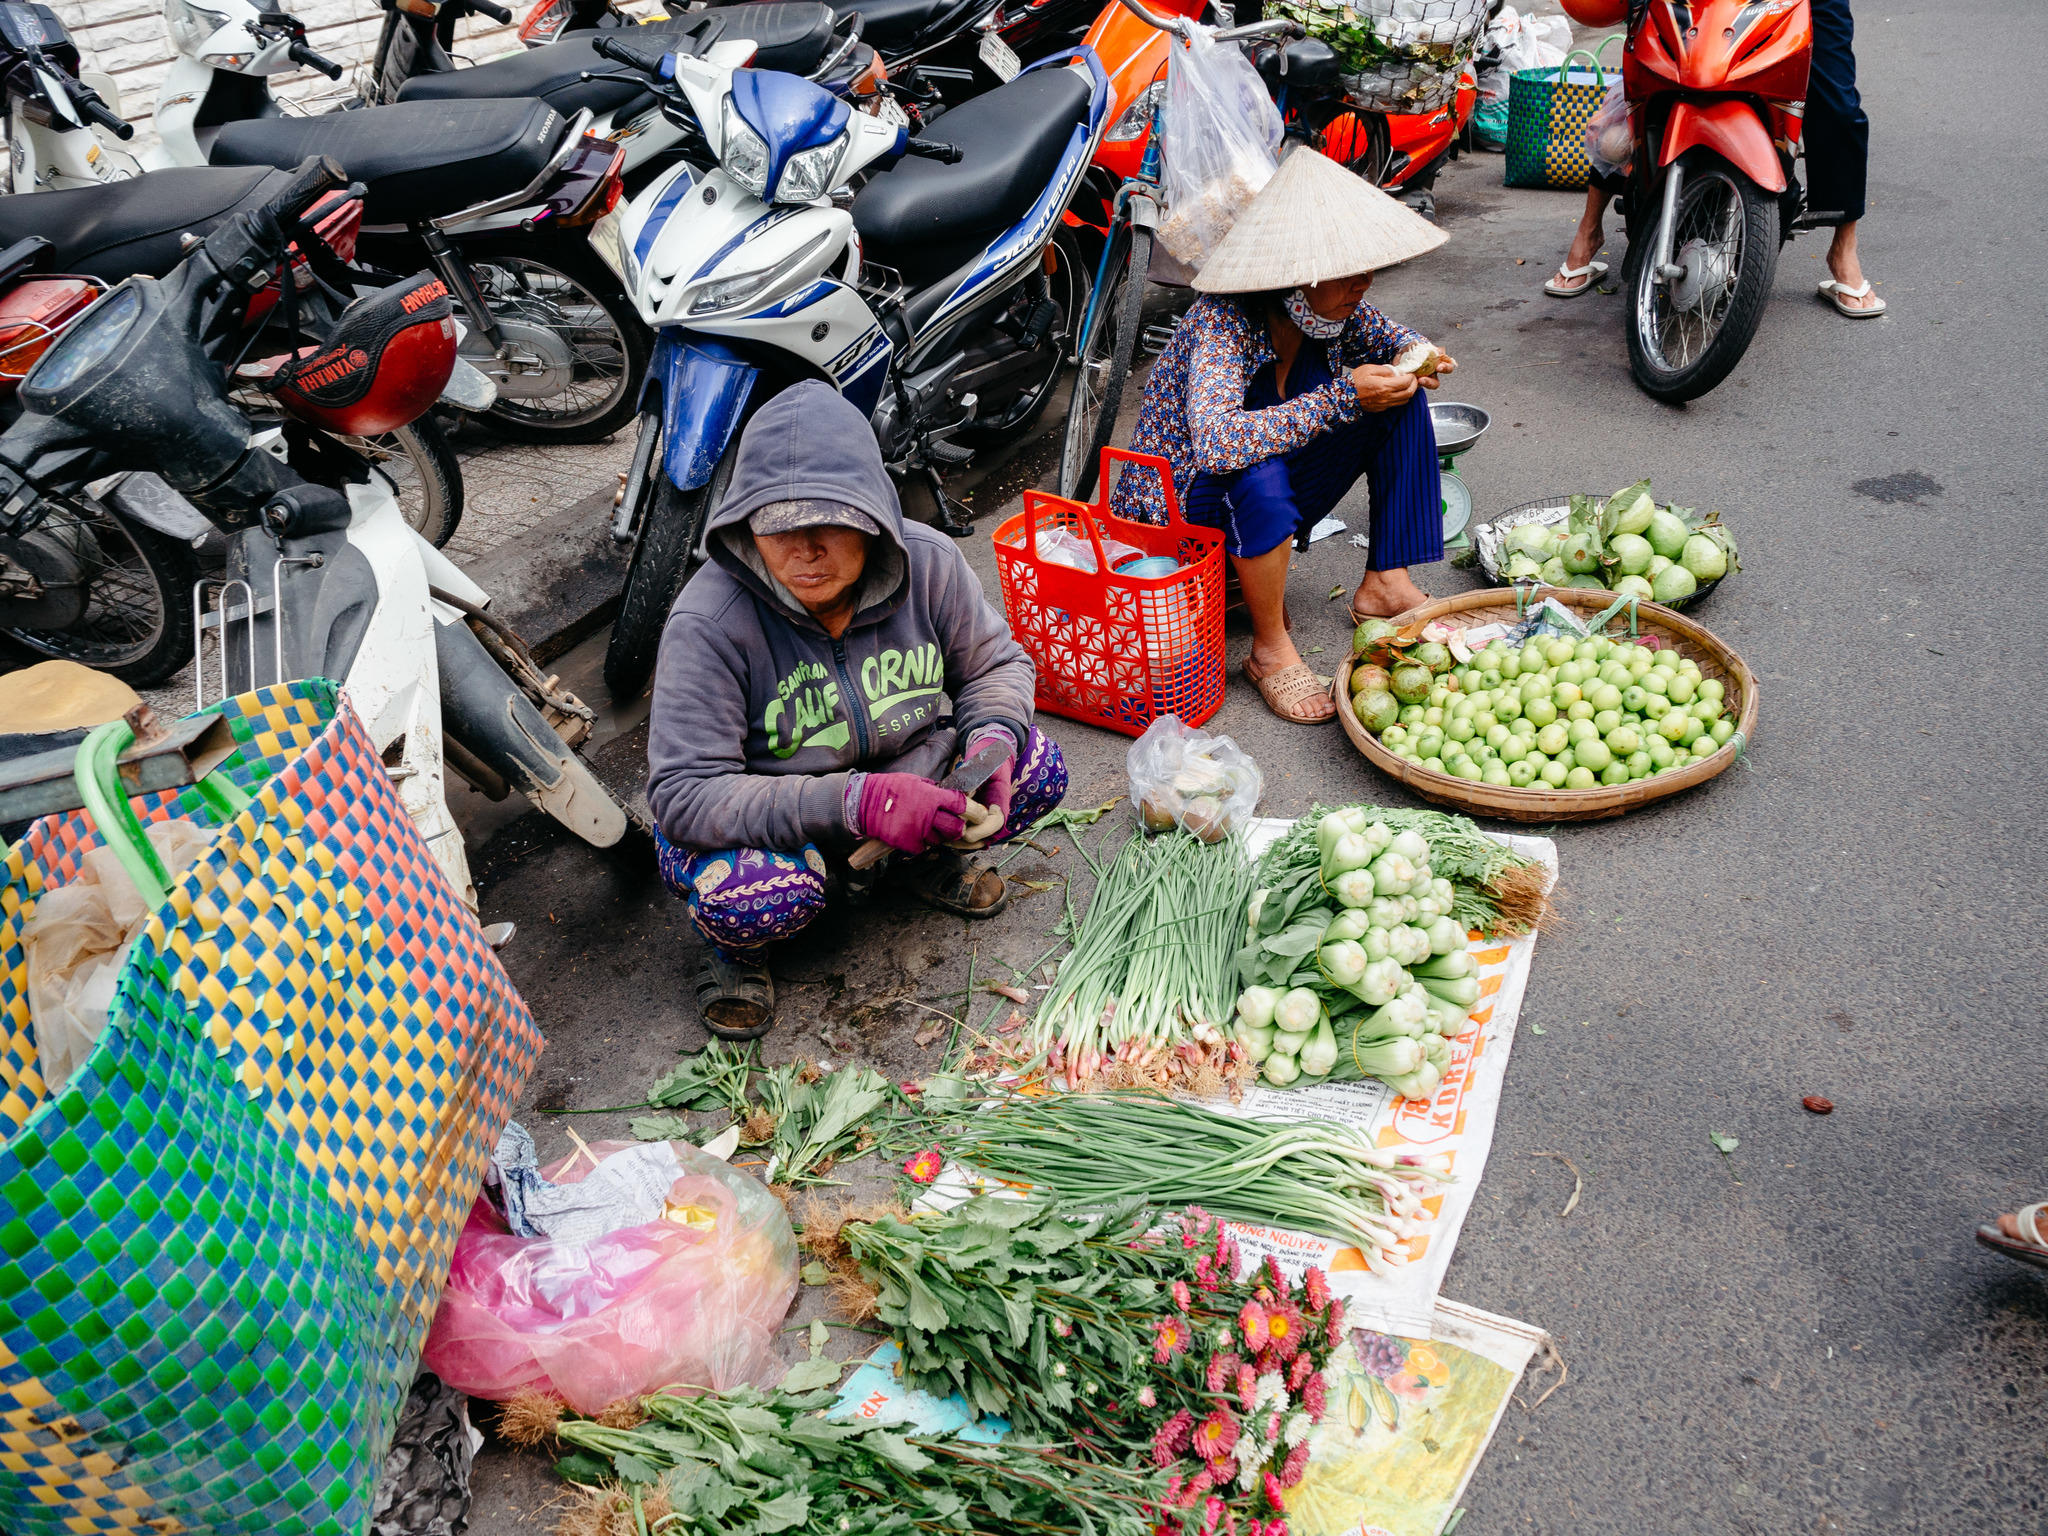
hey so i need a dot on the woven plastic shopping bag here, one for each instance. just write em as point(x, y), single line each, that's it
point(223, 1238)
point(1548, 110)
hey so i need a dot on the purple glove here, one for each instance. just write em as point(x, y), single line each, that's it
point(1001, 787)
point(910, 814)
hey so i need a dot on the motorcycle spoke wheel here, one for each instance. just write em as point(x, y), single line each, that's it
point(1009, 415)
point(1686, 335)
point(137, 621)
point(533, 294)
point(423, 470)
point(1104, 365)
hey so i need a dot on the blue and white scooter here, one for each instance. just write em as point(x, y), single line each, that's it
point(941, 298)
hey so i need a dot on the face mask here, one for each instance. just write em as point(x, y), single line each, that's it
point(1311, 323)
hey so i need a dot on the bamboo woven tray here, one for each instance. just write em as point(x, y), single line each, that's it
point(1506, 803)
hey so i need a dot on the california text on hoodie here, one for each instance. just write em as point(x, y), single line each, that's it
point(759, 714)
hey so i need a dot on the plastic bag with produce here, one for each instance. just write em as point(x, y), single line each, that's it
point(1184, 777)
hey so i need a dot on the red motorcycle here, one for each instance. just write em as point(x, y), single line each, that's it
point(1715, 91)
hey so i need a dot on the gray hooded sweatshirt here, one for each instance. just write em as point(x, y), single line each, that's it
point(759, 715)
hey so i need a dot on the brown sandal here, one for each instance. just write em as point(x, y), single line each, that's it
point(1286, 688)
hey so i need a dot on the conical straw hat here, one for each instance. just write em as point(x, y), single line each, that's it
point(1314, 221)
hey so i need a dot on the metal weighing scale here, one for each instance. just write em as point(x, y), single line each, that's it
point(1458, 427)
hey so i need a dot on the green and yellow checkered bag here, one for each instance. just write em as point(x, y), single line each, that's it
point(1548, 110)
point(222, 1240)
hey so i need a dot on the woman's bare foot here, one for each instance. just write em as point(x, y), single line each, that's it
point(2009, 1224)
point(1268, 659)
point(1382, 594)
point(1846, 268)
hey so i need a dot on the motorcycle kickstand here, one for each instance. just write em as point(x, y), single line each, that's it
point(955, 519)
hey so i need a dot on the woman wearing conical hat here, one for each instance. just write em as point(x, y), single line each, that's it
point(1281, 388)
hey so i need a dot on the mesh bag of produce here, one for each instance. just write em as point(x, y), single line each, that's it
point(1396, 55)
point(223, 1238)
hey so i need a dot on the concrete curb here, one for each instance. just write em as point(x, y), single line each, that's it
point(559, 582)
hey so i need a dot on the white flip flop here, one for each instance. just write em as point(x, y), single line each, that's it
point(1835, 292)
point(1592, 272)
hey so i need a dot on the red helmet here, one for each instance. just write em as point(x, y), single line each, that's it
point(388, 359)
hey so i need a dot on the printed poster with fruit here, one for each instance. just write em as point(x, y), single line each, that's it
point(1409, 1421)
point(1455, 1124)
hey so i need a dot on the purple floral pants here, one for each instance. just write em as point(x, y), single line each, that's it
point(742, 898)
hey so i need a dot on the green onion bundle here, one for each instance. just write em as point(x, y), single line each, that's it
point(1149, 987)
point(1317, 1176)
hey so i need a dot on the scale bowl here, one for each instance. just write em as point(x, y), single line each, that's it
point(1458, 427)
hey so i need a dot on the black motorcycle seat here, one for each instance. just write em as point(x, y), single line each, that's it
point(114, 231)
point(1311, 63)
point(792, 35)
point(925, 217)
point(418, 160)
point(891, 24)
point(552, 74)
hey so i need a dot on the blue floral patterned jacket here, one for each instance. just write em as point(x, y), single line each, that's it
point(1194, 415)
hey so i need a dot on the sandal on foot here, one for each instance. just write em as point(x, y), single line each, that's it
point(1358, 618)
point(2034, 1219)
point(955, 886)
point(735, 997)
point(1592, 272)
point(1284, 689)
point(1835, 292)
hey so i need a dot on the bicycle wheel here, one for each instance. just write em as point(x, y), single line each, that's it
point(1105, 363)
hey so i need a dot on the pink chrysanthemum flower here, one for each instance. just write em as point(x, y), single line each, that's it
point(1172, 1439)
point(1147, 1398)
point(1333, 1326)
point(1317, 1287)
point(1199, 1484)
point(1169, 1338)
point(1296, 1465)
point(924, 1167)
point(1274, 1495)
point(1247, 1387)
point(1216, 1435)
point(1253, 1321)
point(1182, 1296)
point(1212, 1511)
point(1205, 1275)
point(1278, 1280)
point(1285, 1329)
point(1298, 1372)
point(1314, 1396)
point(1222, 1373)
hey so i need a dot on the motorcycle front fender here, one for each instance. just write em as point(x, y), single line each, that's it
point(1731, 129)
point(701, 386)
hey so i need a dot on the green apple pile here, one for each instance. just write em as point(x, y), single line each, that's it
point(1556, 712)
point(1625, 544)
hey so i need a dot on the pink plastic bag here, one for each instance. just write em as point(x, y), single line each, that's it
point(693, 1300)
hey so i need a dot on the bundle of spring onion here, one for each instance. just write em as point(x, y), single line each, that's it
point(1093, 1148)
point(1145, 997)
point(1355, 953)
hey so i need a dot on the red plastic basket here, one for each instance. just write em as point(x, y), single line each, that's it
point(1117, 650)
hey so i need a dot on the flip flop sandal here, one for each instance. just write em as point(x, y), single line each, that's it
point(1288, 687)
point(1592, 272)
point(952, 885)
point(2028, 1220)
point(1358, 618)
point(735, 998)
point(1835, 292)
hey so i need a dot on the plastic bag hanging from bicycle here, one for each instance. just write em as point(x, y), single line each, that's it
point(1221, 144)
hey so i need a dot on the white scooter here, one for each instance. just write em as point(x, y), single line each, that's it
point(63, 124)
point(226, 53)
point(325, 577)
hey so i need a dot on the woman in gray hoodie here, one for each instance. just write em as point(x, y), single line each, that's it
point(816, 676)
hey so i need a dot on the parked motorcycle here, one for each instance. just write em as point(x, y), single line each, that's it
point(495, 194)
point(58, 121)
point(225, 55)
point(940, 298)
point(108, 582)
point(325, 578)
point(1715, 90)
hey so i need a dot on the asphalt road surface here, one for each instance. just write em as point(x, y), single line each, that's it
point(1799, 1337)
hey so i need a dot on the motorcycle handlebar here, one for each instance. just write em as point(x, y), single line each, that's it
point(1277, 27)
point(93, 110)
point(299, 53)
point(931, 149)
point(311, 180)
point(497, 13)
point(625, 53)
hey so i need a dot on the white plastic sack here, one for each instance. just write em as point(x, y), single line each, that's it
point(76, 942)
point(1525, 42)
point(1609, 144)
point(1184, 777)
point(1221, 144)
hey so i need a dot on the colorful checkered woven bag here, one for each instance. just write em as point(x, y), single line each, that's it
point(222, 1241)
point(1548, 110)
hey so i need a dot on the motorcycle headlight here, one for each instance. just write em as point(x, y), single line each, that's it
point(1137, 117)
point(808, 176)
point(190, 25)
point(744, 154)
point(87, 344)
point(740, 288)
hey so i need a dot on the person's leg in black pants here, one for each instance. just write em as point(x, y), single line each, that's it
point(1837, 141)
